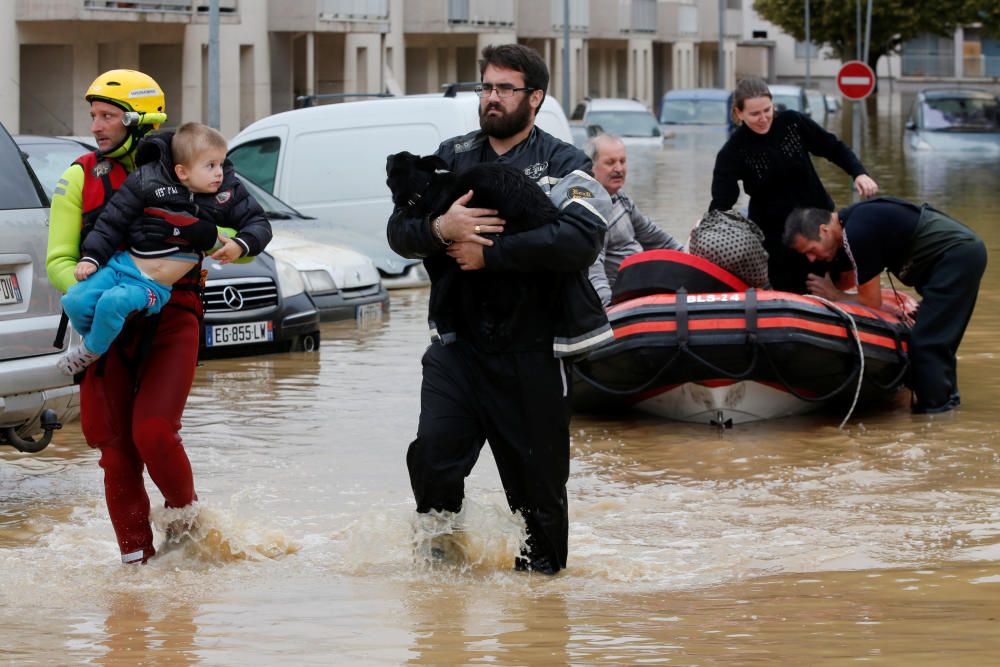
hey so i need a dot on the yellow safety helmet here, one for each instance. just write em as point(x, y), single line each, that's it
point(137, 93)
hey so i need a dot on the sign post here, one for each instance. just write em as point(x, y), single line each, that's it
point(855, 80)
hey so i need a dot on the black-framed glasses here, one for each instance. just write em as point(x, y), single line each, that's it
point(503, 90)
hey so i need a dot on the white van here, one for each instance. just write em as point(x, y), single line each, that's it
point(329, 161)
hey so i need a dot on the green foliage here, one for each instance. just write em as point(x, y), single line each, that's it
point(834, 22)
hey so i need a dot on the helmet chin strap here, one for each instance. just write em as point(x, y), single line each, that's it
point(126, 145)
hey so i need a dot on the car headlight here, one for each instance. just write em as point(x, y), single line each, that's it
point(318, 281)
point(289, 279)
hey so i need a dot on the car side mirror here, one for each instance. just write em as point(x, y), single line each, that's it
point(911, 124)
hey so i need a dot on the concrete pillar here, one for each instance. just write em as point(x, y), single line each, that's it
point(310, 63)
point(395, 50)
point(363, 62)
point(192, 55)
point(604, 73)
point(959, 53)
point(85, 69)
point(10, 68)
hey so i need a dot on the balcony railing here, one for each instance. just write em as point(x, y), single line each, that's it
point(160, 6)
point(579, 15)
point(928, 64)
point(637, 16)
point(481, 12)
point(354, 10)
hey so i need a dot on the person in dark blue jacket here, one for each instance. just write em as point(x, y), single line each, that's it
point(185, 182)
point(495, 373)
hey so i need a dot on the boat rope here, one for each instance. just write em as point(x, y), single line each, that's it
point(596, 384)
point(861, 352)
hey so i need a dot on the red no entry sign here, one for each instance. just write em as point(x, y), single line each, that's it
point(855, 80)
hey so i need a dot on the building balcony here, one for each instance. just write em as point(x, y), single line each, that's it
point(637, 17)
point(169, 11)
point(624, 19)
point(678, 21)
point(328, 16)
point(435, 16)
point(545, 19)
point(708, 11)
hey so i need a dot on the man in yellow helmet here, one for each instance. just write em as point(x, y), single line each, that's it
point(131, 400)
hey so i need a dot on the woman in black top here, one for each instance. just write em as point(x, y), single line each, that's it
point(770, 153)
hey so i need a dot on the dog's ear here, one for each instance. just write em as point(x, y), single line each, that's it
point(432, 163)
point(394, 161)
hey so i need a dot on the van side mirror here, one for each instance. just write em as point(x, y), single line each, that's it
point(911, 124)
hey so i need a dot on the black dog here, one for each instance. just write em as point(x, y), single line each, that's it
point(483, 301)
point(425, 187)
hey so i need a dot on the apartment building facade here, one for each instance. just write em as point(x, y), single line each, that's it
point(274, 52)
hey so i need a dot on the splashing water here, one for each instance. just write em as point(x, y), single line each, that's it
point(211, 535)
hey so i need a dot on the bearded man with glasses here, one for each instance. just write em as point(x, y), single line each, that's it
point(497, 375)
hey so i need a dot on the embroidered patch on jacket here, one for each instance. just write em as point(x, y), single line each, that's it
point(224, 196)
point(537, 170)
point(101, 168)
point(580, 193)
point(150, 298)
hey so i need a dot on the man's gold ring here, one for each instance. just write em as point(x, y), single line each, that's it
point(478, 229)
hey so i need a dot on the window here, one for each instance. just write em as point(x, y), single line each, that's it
point(258, 161)
point(803, 50)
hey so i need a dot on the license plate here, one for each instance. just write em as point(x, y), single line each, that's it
point(245, 333)
point(368, 313)
point(10, 291)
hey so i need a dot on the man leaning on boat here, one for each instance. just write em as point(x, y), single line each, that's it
point(924, 248)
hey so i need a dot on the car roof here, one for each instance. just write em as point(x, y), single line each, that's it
point(27, 139)
point(697, 94)
point(614, 103)
point(784, 89)
point(948, 93)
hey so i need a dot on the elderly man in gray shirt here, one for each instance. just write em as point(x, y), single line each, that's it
point(629, 231)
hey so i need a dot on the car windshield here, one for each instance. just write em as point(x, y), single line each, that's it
point(695, 112)
point(50, 160)
point(961, 114)
point(273, 207)
point(625, 123)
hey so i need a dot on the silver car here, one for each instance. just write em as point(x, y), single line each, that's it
point(35, 397)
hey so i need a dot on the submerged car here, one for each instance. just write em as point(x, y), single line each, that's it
point(697, 116)
point(629, 119)
point(817, 104)
point(256, 306)
point(791, 97)
point(960, 121)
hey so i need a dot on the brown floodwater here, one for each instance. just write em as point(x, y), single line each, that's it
point(784, 542)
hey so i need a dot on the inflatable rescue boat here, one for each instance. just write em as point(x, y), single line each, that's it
point(694, 343)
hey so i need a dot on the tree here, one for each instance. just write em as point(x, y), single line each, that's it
point(833, 22)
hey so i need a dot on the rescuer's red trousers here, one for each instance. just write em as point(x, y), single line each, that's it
point(131, 401)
